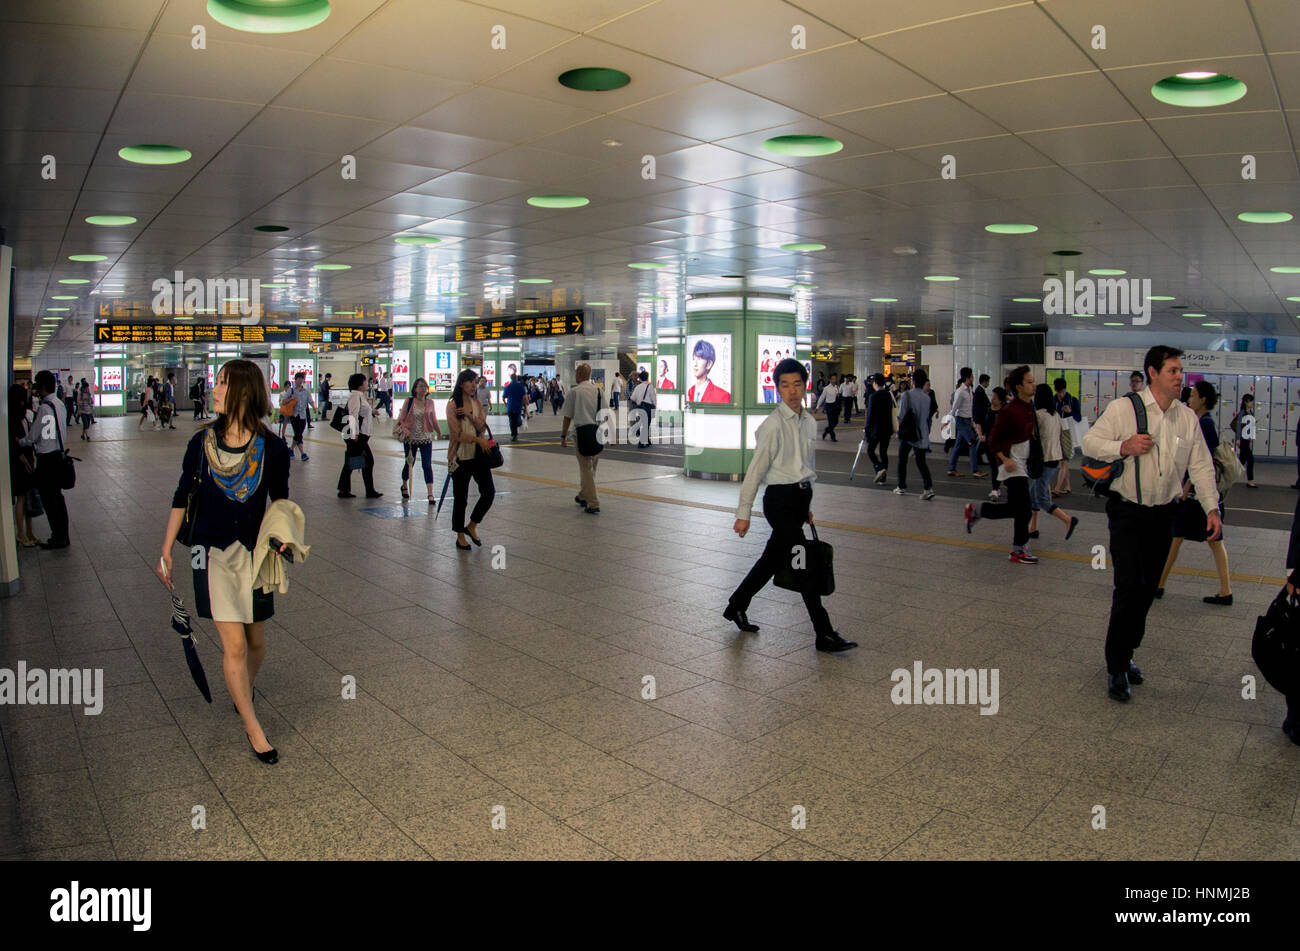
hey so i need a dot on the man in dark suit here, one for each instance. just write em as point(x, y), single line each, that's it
point(879, 426)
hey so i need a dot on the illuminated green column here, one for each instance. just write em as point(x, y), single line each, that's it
point(733, 340)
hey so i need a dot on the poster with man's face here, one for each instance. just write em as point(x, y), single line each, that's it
point(708, 364)
point(665, 373)
point(772, 349)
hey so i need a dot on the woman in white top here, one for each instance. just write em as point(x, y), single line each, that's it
point(466, 457)
point(419, 424)
point(1049, 438)
point(356, 437)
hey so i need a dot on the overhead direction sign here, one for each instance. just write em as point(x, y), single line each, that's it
point(359, 336)
point(553, 324)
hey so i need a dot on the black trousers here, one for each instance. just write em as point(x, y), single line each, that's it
point(786, 509)
point(49, 468)
point(358, 447)
point(513, 416)
point(881, 460)
point(478, 470)
point(832, 419)
point(641, 417)
point(1140, 536)
point(1248, 460)
point(298, 424)
point(1017, 507)
point(922, 467)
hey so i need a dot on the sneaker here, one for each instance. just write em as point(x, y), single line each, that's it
point(994, 496)
point(899, 491)
point(1023, 558)
point(305, 457)
point(972, 516)
point(881, 476)
point(927, 495)
point(979, 475)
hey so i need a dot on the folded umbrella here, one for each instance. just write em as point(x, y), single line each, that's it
point(181, 624)
point(445, 483)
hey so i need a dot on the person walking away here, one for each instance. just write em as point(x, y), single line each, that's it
point(830, 398)
point(85, 409)
point(22, 465)
point(199, 395)
point(468, 431)
point(915, 410)
point(979, 410)
point(1143, 499)
point(48, 437)
point(1048, 435)
point(644, 402)
point(1009, 443)
point(582, 406)
point(879, 427)
point(356, 439)
point(784, 459)
point(1243, 426)
point(238, 465)
point(146, 405)
point(1189, 519)
point(301, 412)
point(846, 398)
point(615, 391)
point(514, 395)
point(419, 426)
point(325, 404)
point(963, 406)
point(1067, 409)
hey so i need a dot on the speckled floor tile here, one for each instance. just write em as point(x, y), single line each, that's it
point(1254, 792)
point(747, 669)
point(523, 833)
point(1239, 839)
point(339, 827)
point(797, 850)
point(522, 681)
point(623, 673)
point(842, 747)
point(474, 723)
point(605, 719)
point(160, 826)
point(731, 710)
point(335, 726)
point(949, 837)
point(1137, 829)
point(1099, 760)
point(712, 765)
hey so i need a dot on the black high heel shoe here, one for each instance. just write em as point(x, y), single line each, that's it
point(270, 757)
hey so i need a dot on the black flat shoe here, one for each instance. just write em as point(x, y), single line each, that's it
point(462, 547)
point(374, 495)
point(580, 500)
point(270, 757)
point(741, 620)
point(1134, 673)
point(346, 495)
point(1223, 599)
point(1074, 523)
point(475, 540)
point(833, 643)
point(1033, 534)
point(1118, 688)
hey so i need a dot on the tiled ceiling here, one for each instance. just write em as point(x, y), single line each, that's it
point(451, 135)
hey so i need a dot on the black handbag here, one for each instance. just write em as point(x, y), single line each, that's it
point(340, 414)
point(492, 454)
point(186, 534)
point(818, 573)
point(1276, 644)
point(1034, 464)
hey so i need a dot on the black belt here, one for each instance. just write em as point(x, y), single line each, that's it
point(806, 484)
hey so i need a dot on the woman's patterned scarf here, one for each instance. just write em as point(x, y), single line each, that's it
point(238, 474)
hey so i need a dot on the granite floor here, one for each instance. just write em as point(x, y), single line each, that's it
point(503, 701)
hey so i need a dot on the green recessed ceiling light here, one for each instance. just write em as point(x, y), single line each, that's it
point(534, 280)
point(979, 316)
point(594, 79)
point(455, 293)
point(1294, 299)
point(1083, 315)
point(803, 246)
point(269, 16)
point(599, 303)
point(87, 257)
point(804, 287)
point(1264, 217)
point(110, 221)
point(525, 310)
point(1011, 229)
point(57, 310)
point(1155, 297)
point(558, 201)
point(1198, 89)
point(941, 277)
point(417, 239)
point(906, 326)
point(1285, 269)
point(271, 228)
point(275, 284)
point(647, 265)
point(1112, 323)
point(155, 154)
point(1195, 315)
point(74, 297)
point(1019, 323)
point(1211, 324)
point(1107, 272)
point(884, 300)
point(73, 280)
point(331, 267)
point(1027, 300)
point(802, 145)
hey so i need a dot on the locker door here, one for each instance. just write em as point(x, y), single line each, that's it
point(1088, 394)
point(1280, 418)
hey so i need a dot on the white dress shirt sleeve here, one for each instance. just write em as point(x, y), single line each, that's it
point(1104, 439)
point(764, 452)
point(1200, 467)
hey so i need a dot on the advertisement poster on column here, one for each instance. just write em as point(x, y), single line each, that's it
point(666, 376)
point(490, 372)
point(441, 367)
point(273, 375)
point(508, 367)
point(709, 360)
point(112, 379)
point(772, 349)
point(302, 366)
point(401, 371)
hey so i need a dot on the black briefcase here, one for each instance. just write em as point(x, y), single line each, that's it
point(818, 572)
point(1276, 644)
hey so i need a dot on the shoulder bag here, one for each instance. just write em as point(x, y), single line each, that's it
point(1276, 644)
point(1034, 465)
point(492, 454)
point(67, 471)
point(186, 534)
point(1099, 475)
point(908, 430)
point(818, 573)
point(588, 438)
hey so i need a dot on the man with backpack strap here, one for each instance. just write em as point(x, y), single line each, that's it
point(1144, 497)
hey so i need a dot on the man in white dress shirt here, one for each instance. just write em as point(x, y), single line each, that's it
point(1144, 498)
point(783, 458)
